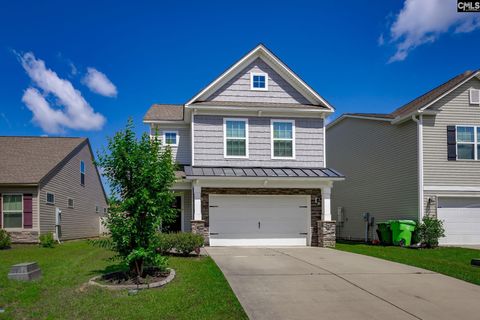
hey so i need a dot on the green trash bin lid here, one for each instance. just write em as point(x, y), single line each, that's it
point(409, 222)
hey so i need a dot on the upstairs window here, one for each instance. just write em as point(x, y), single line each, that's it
point(50, 198)
point(12, 211)
point(170, 138)
point(474, 96)
point(236, 138)
point(283, 139)
point(258, 81)
point(70, 203)
point(468, 146)
point(82, 172)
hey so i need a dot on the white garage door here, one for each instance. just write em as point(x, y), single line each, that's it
point(461, 218)
point(263, 220)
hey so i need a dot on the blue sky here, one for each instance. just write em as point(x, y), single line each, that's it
point(362, 56)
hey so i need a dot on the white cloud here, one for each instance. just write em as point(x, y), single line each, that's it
point(99, 83)
point(423, 21)
point(74, 111)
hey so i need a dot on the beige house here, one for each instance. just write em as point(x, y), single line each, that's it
point(49, 185)
point(423, 158)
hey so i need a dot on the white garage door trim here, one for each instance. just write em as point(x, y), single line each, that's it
point(243, 232)
point(461, 216)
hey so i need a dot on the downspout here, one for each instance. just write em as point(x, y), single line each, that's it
point(421, 208)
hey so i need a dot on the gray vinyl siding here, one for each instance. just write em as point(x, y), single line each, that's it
point(24, 190)
point(82, 221)
point(182, 153)
point(238, 88)
point(379, 161)
point(209, 143)
point(455, 109)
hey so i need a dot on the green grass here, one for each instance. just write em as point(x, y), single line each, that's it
point(199, 290)
point(451, 261)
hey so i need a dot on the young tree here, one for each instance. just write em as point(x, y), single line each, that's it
point(141, 174)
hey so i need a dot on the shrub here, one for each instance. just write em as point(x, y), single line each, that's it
point(186, 242)
point(46, 240)
point(5, 240)
point(430, 230)
point(165, 242)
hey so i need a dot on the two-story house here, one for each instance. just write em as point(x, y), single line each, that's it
point(50, 184)
point(252, 148)
point(422, 158)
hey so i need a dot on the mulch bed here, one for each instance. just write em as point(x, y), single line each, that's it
point(125, 278)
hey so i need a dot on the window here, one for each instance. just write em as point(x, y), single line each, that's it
point(105, 210)
point(283, 139)
point(170, 138)
point(82, 172)
point(258, 81)
point(97, 209)
point(50, 198)
point(70, 203)
point(236, 138)
point(12, 211)
point(468, 146)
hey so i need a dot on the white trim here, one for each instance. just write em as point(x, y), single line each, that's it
point(23, 213)
point(326, 203)
point(272, 155)
point(197, 201)
point(181, 194)
point(235, 138)
point(192, 138)
point(257, 51)
point(451, 188)
point(421, 206)
point(255, 110)
point(261, 74)
point(46, 197)
point(449, 91)
point(177, 138)
point(228, 182)
point(475, 142)
point(324, 145)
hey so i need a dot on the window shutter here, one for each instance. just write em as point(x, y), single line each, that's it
point(451, 143)
point(27, 211)
point(475, 96)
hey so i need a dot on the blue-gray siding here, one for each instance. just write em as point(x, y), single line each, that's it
point(209, 143)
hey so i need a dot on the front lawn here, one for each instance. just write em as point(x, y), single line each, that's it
point(199, 290)
point(451, 261)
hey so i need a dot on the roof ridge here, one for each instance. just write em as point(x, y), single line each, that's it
point(42, 137)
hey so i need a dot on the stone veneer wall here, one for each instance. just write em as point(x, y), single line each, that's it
point(326, 234)
point(316, 209)
point(24, 236)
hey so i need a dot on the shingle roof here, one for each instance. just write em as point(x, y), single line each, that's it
point(431, 95)
point(260, 104)
point(259, 172)
point(168, 112)
point(371, 115)
point(26, 160)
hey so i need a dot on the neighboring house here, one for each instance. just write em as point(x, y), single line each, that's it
point(423, 158)
point(46, 182)
point(251, 145)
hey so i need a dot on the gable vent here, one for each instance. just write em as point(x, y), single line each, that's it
point(475, 96)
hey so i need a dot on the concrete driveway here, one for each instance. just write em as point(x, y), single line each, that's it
point(316, 283)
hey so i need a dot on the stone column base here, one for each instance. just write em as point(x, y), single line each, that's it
point(24, 236)
point(326, 234)
point(198, 227)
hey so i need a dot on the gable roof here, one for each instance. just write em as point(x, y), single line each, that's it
point(418, 104)
point(275, 63)
point(27, 160)
point(165, 112)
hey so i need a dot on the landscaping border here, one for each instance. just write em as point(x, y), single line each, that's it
point(152, 285)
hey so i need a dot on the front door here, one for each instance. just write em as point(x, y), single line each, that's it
point(176, 224)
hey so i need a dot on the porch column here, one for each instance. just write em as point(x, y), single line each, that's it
point(197, 201)
point(326, 204)
point(326, 227)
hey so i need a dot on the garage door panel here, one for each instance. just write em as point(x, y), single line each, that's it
point(258, 220)
point(461, 217)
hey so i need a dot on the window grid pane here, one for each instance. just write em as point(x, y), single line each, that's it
point(12, 203)
point(236, 129)
point(170, 138)
point(282, 148)
point(12, 220)
point(282, 130)
point(12, 211)
point(465, 134)
point(236, 147)
point(259, 81)
point(466, 151)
